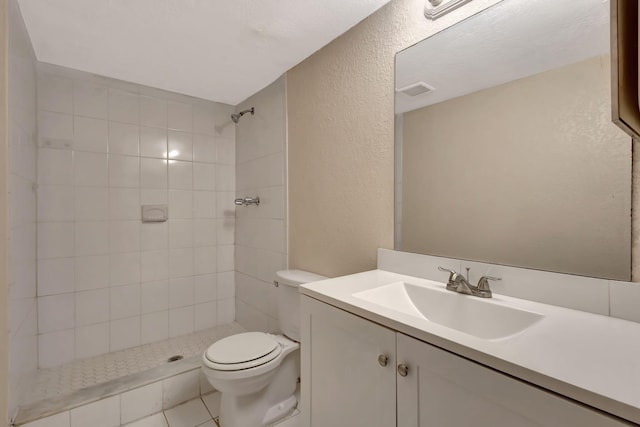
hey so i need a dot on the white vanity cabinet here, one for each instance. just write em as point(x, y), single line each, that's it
point(345, 383)
point(445, 390)
point(344, 378)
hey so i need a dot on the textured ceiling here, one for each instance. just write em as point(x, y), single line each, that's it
point(223, 51)
point(510, 40)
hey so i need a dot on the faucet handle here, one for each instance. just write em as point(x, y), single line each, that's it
point(454, 277)
point(452, 273)
point(483, 285)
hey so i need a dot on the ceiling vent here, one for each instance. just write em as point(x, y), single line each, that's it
point(416, 89)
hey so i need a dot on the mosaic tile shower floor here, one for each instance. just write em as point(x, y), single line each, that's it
point(81, 374)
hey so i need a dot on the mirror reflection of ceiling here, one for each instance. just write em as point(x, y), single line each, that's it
point(490, 49)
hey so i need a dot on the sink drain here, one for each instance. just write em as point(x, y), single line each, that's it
point(175, 358)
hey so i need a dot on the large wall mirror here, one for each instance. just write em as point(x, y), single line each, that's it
point(505, 148)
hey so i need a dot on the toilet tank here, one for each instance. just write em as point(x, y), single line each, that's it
point(288, 299)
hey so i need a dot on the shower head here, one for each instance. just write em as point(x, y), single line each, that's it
point(236, 117)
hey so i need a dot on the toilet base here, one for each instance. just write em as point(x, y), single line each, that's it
point(261, 408)
point(243, 411)
point(280, 410)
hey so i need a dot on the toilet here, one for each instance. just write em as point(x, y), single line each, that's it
point(255, 372)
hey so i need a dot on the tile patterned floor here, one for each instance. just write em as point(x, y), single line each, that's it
point(200, 412)
point(80, 374)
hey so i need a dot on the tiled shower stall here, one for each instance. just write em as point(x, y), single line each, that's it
point(106, 280)
point(87, 276)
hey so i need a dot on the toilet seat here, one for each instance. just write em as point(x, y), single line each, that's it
point(242, 351)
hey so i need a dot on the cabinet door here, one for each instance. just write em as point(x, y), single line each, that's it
point(445, 390)
point(343, 383)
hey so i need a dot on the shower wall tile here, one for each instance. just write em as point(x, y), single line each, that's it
point(153, 173)
point(225, 178)
point(180, 116)
point(153, 112)
point(91, 204)
point(181, 204)
point(90, 99)
point(55, 130)
point(92, 272)
point(153, 142)
point(91, 238)
point(55, 167)
point(56, 276)
point(205, 288)
point(55, 240)
point(124, 139)
point(107, 281)
point(56, 348)
point(226, 151)
point(55, 313)
point(181, 321)
point(123, 106)
point(154, 265)
point(203, 260)
point(154, 327)
point(155, 296)
point(125, 333)
point(180, 145)
point(260, 232)
point(180, 175)
point(22, 216)
point(90, 307)
point(125, 301)
point(204, 176)
point(226, 310)
point(204, 204)
point(202, 122)
point(90, 169)
point(56, 203)
point(205, 148)
point(204, 232)
point(90, 135)
point(92, 340)
point(55, 93)
point(124, 203)
point(124, 171)
point(181, 292)
point(205, 315)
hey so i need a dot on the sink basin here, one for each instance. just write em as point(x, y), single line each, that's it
point(474, 316)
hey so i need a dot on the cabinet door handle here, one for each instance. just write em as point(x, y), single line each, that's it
point(383, 360)
point(403, 370)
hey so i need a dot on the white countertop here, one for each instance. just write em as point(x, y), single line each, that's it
point(590, 358)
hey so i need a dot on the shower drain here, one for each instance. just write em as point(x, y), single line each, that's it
point(175, 358)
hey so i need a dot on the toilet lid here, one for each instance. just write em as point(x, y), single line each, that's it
point(247, 349)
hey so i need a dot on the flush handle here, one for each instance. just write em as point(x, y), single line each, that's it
point(383, 360)
point(403, 370)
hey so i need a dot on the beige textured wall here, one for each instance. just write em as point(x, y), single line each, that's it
point(557, 197)
point(4, 330)
point(340, 133)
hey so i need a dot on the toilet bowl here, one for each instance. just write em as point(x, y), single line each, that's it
point(257, 373)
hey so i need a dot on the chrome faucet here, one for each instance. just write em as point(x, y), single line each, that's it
point(458, 283)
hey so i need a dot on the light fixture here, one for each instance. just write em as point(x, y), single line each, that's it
point(434, 9)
